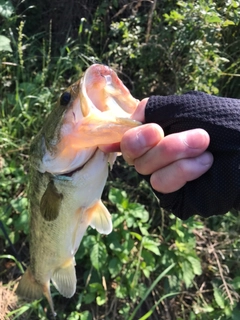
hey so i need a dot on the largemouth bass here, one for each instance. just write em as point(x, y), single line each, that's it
point(67, 175)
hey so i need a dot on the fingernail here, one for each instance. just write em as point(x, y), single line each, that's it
point(134, 145)
point(148, 135)
point(206, 159)
point(140, 139)
point(195, 139)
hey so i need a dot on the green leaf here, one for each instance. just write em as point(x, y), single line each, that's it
point(174, 16)
point(149, 259)
point(75, 315)
point(21, 222)
point(121, 292)
point(117, 196)
point(236, 283)
point(98, 255)
point(213, 19)
point(218, 296)
point(114, 266)
point(6, 9)
point(151, 245)
point(136, 235)
point(101, 299)
point(19, 204)
point(138, 211)
point(188, 274)
point(236, 313)
point(117, 220)
point(115, 245)
point(89, 297)
point(196, 265)
point(89, 241)
point(96, 287)
point(5, 44)
point(228, 23)
point(86, 315)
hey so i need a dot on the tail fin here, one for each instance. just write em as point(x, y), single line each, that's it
point(30, 289)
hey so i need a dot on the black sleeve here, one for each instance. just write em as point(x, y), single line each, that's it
point(217, 191)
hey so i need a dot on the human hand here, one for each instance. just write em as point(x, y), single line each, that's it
point(172, 160)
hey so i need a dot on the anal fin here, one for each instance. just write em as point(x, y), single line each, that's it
point(64, 278)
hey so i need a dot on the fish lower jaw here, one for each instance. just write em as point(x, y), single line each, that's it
point(68, 174)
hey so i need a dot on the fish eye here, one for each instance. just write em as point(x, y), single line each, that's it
point(65, 98)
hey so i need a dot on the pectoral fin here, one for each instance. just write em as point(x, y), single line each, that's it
point(100, 218)
point(64, 278)
point(51, 202)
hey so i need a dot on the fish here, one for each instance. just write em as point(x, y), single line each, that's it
point(67, 176)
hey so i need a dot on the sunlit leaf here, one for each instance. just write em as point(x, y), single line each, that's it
point(151, 245)
point(101, 299)
point(228, 23)
point(213, 19)
point(98, 255)
point(218, 296)
point(188, 274)
point(196, 264)
point(5, 44)
point(6, 9)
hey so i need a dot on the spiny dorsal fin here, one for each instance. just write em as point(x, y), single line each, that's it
point(51, 202)
point(64, 278)
point(100, 218)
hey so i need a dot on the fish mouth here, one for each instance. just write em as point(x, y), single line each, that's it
point(68, 175)
point(106, 91)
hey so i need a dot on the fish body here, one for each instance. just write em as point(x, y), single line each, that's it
point(67, 175)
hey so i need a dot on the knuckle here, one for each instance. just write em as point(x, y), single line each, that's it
point(141, 167)
point(182, 169)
